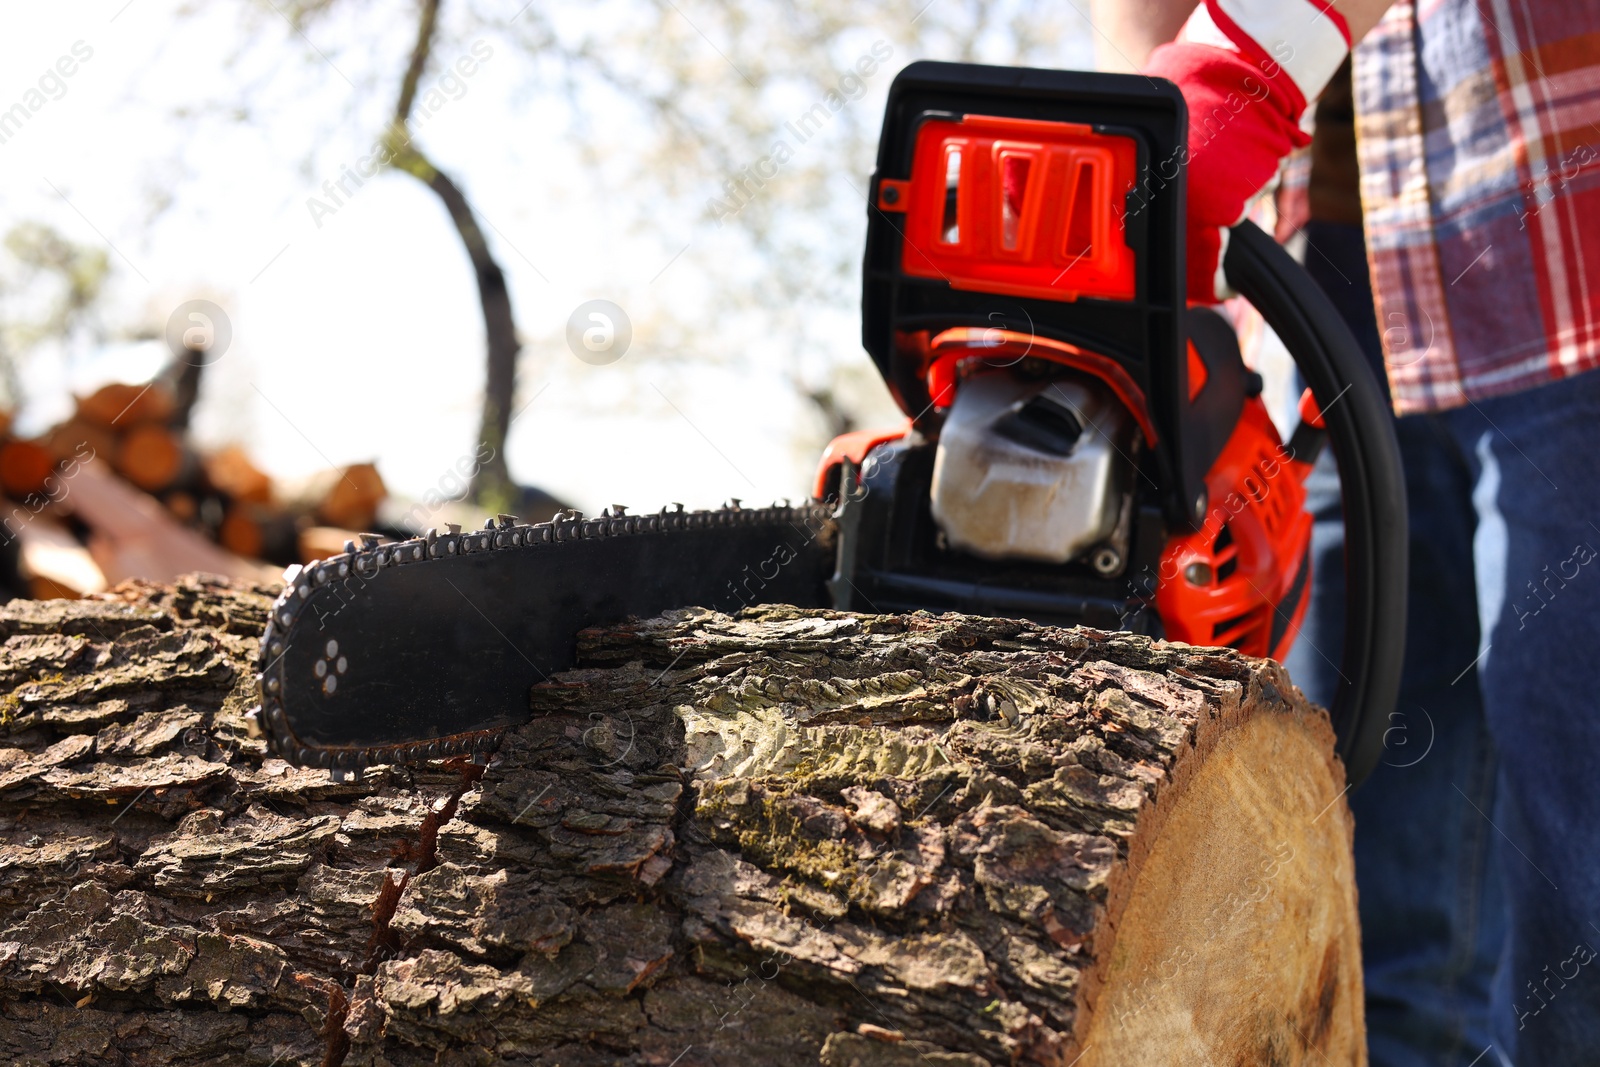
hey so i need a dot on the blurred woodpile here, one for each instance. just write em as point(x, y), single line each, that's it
point(118, 491)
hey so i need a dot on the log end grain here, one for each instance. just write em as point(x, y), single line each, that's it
point(240, 532)
point(351, 499)
point(151, 456)
point(1237, 939)
point(231, 471)
point(25, 467)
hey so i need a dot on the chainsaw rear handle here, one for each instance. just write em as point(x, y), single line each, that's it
point(1360, 429)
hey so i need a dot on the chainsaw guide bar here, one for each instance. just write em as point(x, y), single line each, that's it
point(362, 665)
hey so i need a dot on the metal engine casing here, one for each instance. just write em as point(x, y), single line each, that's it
point(998, 495)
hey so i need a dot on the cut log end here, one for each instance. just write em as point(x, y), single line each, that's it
point(151, 457)
point(1238, 939)
point(351, 499)
point(25, 468)
point(241, 534)
point(78, 440)
point(231, 471)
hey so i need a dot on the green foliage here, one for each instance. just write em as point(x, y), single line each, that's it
point(49, 291)
point(77, 273)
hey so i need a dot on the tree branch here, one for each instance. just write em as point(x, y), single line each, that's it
point(419, 60)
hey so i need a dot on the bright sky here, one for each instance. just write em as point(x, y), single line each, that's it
point(360, 338)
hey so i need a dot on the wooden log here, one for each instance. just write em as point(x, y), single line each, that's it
point(347, 497)
point(53, 562)
point(122, 405)
point(320, 542)
point(152, 457)
point(353, 498)
point(78, 439)
point(184, 507)
point(241, 534)
point(792, 838)
point(133, 536)
point(232, 473)
point(25, 466)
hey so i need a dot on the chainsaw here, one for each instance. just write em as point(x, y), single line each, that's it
point(1080, 447)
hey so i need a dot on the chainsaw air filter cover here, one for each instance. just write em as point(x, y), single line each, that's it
point(1031, 469)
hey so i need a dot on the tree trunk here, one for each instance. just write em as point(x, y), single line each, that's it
point(185, 372)
point(795, 837)
point(491, 485)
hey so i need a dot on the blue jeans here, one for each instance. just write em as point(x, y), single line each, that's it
point(1478, 837)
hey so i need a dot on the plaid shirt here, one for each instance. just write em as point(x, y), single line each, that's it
point(1478, 135)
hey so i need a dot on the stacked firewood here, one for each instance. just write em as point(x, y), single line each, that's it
point(118, 490)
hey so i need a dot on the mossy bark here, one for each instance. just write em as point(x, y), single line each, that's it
point(794, 837)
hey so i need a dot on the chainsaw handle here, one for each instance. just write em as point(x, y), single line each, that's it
point(1360, 428)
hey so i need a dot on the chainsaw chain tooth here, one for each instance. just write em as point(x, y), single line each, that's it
point(368, 560)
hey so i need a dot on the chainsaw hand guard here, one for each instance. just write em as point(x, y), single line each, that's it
point(1360, 429)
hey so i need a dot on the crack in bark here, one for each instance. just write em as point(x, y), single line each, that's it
point(385, 942)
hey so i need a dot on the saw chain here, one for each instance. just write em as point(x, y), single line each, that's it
point(402, 652)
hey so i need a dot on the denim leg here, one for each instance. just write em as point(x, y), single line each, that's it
point(1538, 571)
point(1432, 910)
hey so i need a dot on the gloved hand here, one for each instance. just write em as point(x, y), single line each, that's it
point(1246, 68)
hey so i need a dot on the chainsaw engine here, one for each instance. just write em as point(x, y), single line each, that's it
point(1038, 499)
point(1035, 469)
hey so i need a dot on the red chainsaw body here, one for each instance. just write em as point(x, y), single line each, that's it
point(1028, 208)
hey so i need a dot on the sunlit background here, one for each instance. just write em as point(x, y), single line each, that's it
point(194, 151)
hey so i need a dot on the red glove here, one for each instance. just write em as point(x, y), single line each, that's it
point(1246, 69)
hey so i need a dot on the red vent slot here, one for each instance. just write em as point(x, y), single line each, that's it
point(950, 222)
point(1021, 207)
point(1081, 224)
point(1014, 170)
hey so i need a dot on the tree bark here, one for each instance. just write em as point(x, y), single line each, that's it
point(794, 837)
